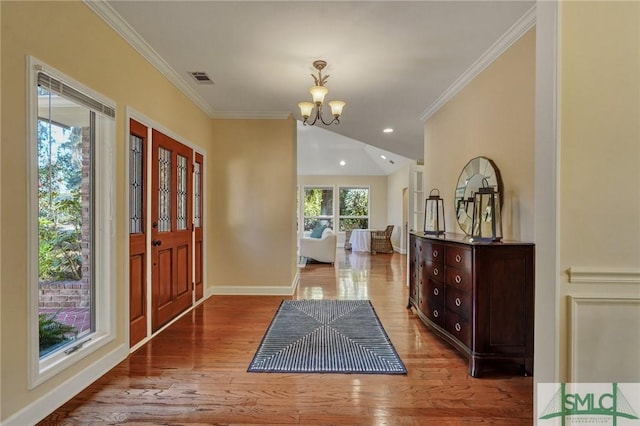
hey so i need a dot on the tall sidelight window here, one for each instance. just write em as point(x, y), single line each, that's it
point(354, 208)
point(71, 210)
point(318, 207)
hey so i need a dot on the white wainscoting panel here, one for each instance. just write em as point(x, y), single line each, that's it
point(604, 339)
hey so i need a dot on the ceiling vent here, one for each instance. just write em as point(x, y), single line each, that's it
point(201, 77)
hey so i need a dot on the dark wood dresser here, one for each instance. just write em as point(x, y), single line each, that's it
point(477, 296)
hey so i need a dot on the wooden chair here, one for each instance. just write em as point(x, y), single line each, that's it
point(381, 241)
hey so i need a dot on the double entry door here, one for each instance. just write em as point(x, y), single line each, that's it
point(164, 276)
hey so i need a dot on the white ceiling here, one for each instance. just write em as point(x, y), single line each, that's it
point(390, 61)
point(320, 153)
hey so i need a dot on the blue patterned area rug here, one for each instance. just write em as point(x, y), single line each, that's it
point(326, 336)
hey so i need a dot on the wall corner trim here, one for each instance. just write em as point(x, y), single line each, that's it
point(584, 275)
point(517, 30)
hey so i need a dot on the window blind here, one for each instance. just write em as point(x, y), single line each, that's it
point(60, 88)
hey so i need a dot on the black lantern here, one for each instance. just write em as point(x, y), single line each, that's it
point(487, 223)
point(434, 214)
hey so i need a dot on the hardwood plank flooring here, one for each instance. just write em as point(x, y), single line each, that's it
point(194, 372)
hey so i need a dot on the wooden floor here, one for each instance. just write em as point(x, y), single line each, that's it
point(195, 371)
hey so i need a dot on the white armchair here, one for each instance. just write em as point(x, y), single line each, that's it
point(322, 249)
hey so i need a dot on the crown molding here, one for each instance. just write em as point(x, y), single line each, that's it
point(115, 21)
point(517, 30)
point(252, 115)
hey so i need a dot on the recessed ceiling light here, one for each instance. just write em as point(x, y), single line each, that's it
point(342, 162)
point(383, 157)
point(388, 130)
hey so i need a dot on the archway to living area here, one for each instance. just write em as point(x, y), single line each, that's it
point(326, 159)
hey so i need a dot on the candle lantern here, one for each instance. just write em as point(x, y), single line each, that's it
point(486, 222)
point(434, 214)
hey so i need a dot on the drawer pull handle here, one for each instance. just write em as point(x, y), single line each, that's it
point(458, 258)
point(435, 253)
point(435, 271)
point(458, 279)
point(435, 313)
point(458, 301)
point(435, 291)
point(458, 328)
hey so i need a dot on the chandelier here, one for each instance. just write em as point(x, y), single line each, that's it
point(318, 92)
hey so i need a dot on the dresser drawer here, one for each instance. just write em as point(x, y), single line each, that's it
point(435, 313)
point(434, 253)
point(435, 291)
point(458, 278)
point(458, 327)
point(458, 301)
point(459, 257)
point(434, 270)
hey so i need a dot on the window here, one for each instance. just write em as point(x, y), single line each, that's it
point(318, 207)
point(71, 172)
point(354, 208)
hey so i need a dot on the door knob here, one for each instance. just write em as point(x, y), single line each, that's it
point(156, 242)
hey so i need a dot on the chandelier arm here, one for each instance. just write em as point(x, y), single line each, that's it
point(315, 118)
point(325, 123)
point(318, 117)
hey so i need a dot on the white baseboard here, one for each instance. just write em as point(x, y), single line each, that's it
point(49, 402)
point(256, 290)
point(399, 250)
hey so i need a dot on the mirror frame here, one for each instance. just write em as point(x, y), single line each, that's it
point(470, 180)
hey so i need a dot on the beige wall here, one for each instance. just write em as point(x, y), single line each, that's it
point(599, 116)
point(250, 177)
point(251, 206)
point(377, 195)
point(72, 39)
point(600, 133)
point(493, 116)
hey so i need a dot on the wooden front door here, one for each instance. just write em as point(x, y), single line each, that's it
point(137, 232)
point(171, 242)
point(198, 181)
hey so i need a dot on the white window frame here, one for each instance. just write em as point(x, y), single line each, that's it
point(368, 216)
point(103, 183)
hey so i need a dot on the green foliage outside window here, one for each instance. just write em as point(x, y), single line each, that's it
point(59, 200)
point(353, 204)
point(354, 208)
point(53, 332)
point(318, 207)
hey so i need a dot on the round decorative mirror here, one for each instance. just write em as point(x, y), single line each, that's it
point(471, 179)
